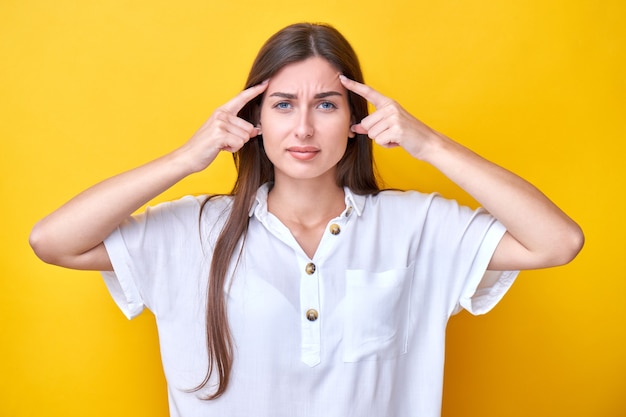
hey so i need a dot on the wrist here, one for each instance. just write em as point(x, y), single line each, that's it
point(186, 160)
point(433, 146)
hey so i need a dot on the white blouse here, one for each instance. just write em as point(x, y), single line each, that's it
point(358, 330)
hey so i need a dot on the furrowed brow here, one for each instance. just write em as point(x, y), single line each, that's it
point(328, 94)
point(284, 95)
point(317, 96)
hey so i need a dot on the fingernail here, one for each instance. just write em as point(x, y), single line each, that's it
point(342, 77)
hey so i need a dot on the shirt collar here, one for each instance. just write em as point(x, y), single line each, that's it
point(260, 202)
point(355, 202)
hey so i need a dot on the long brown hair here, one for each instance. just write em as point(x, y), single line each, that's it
point(355, 170)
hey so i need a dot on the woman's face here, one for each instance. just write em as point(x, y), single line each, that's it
point(305, 118)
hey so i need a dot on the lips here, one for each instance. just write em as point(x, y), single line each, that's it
point(303, 153)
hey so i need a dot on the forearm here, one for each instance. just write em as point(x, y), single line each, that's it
point(72, 236)
point(539, 233)
point(543, 234)
point(66, 236)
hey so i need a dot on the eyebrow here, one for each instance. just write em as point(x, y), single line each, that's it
point(317, 96)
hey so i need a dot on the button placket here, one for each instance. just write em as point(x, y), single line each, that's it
point(310, 292)
point(310, 314)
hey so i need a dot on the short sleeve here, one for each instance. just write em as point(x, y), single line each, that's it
point(121, 282)
point(484, 299)
point(480, 301)
point(154, 253)
point(459, 243)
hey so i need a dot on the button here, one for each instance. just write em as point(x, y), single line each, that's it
point(310, 268)
point(349, 211)
point(334, 229)
point(311, 315)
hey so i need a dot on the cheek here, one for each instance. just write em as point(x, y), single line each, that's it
point(273, 131)
point(343, 127)
point(269, 124)
point(270, 117)
point(260, 115)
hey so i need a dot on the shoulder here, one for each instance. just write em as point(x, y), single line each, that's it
point(398, 199)
point(179, 219)
point(191, 204)
point(182, 212)
point(416, 207)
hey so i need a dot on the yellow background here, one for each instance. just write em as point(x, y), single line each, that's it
point(91, 88)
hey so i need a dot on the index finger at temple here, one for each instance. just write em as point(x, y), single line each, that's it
point(244, 97)
point(364, 91)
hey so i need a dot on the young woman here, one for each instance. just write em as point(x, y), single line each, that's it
point(307, 291)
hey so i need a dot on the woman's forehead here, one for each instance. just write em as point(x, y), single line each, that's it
point(311, 75)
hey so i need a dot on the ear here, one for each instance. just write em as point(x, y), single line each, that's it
point(257, 105)
point(256, 118)
point(351, 133)
point(256, 115)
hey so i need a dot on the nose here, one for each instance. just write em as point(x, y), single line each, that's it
point(304, 128)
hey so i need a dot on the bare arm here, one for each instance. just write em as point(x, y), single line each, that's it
point(539, 234)
point(72, 235)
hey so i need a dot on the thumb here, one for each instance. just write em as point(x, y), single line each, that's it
point(357, 128)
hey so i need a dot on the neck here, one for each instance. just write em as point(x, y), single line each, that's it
point(305, 207)
point(306, 202)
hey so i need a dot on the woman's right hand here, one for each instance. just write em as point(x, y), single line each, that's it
point(223, 131)
point(72, 235)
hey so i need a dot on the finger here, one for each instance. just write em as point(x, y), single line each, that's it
point(373, 131)
point(233, 132)
point(367, 92)
point(371, 125)
point(377, 134)
point(242, 126)
point(233, 145)
point(234, 140)
point(359, 129)
point(389, 144)
point(378, 117)
point(243, 98)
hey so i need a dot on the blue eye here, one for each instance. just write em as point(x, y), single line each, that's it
point(327, 105)
point(282, 105)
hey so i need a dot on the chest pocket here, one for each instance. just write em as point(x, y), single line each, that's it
point(377, 314)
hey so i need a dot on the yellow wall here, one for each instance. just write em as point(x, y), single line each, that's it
point(90, 88)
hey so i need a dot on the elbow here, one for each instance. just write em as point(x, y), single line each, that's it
point(41, 245)
point(570, 245)
point(56, 247)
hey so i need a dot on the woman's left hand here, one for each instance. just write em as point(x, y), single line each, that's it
point(539, 234)
point(390, 125)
